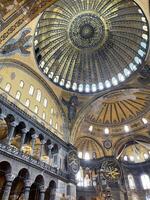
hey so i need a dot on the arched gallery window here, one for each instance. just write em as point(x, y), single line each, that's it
point(31, 90)
point(131, 182)
point(8, 87)
point(39, 95)
point(145, 181)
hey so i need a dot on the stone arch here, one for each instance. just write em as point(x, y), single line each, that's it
point(5, 171)
point(18, 185)
point(50, 192)
point(36, 188)
point(27, 148)
point(16, 140)
point(128, 140)
point(10, 118)
point(55, 149)
point(38, 83)
point(95, 145)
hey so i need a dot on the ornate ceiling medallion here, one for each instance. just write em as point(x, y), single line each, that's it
point(90, 46)
point(88, 31)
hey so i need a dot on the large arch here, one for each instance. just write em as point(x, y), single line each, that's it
point(96, 103)
point(89, 144)
point(50, 191)
point(18, 185)
point(5, 170)
point(126, 141)
point(52, 118)
point(36, 188)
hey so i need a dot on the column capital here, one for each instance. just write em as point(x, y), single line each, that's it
point(10, 177)
point(50, 146)
point(27, 183)
point(34, 136)
point(43, 142)
point(24, 130)
point(42, 189)
point(14, 124)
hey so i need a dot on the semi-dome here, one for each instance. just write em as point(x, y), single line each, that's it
point(89, 46)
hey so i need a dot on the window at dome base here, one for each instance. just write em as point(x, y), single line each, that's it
point(145, 179)
point(88, 51)
point(131, 182)
point(87, 156)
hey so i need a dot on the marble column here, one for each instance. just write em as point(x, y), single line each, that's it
point(11, 131)
point(27, 190)
point(7, 188)
point(43, 142)
point(23, 136)
point(42, 194)
point(33, 143)
point(50, 153)
point(53, 192)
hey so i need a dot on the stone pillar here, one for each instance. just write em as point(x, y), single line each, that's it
point(7, 188)
point(42, 148)
point(33, 143)
point(23, 136)
point(11, 131)
point(50, 152)
point(53, 192)
point(42, 194)
point(27, 190)
point(59, 156)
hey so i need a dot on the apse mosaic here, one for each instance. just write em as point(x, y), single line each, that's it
point(120, 107)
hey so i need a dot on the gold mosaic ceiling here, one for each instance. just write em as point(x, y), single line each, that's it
point(87, 144)
point(119, 107)
point(89, 46)
point(116, 114)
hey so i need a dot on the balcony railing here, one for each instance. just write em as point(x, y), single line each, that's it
point(29, 160)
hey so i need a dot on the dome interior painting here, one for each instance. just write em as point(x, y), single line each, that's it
point(88, 145)
point(87, 47)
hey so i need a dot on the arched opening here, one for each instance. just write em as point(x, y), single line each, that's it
point(5, 170)
point(131, 182)
point(18, 185)
point(51, 191)
point(55, 149)
point(36, 188)
point(3, 129)
point(16, 141)
point(27, 147)
point(54, 152)
point(44, 155)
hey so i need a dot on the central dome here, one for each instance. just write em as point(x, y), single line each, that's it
point(89, 46)
point(87, 31)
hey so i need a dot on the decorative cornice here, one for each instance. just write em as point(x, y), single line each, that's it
point(30, 161)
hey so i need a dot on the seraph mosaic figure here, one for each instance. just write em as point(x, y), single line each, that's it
point(20, 45)
point(71, 105)
point(144, 75)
